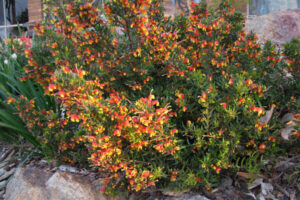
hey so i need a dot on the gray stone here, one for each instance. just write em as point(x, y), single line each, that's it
point(279, 27)
point(36, 184)
point(27, 184)
point(2, 171)
point(65, 186)
point(188, 197)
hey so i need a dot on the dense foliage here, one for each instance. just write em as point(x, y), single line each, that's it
point(150, 100)
point(12, 62)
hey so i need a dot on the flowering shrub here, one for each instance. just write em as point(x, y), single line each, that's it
point(292, 54)
point(12, 62)
point(151, 100)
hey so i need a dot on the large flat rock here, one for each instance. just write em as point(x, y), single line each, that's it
point(36, 184)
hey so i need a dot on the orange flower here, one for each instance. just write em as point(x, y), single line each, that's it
point(74, 118)
point(272, 139)
point(203, 97)
point(117, 132)
point(145, 173)
point(241, 101)
point(51, 124)
point(297, 134)
point(249, 82)
point(114, 42)
point(173, 175)
point(262, 148)
point(54, 45)
point(224, 105)
point(52, 87)
point(10, 100)
point(198, 179)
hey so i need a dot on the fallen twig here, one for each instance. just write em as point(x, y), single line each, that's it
point(281, 189)
point(4, 163)
point(288, 167)
point(286, 161)
point(7, 174)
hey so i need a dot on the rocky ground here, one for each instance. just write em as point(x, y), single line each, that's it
point(37, 179)
point(7, 166)
point(24, 175)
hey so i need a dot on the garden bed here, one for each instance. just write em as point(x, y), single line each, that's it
point(154, 103)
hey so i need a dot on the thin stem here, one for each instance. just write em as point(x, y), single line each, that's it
point(129, 36)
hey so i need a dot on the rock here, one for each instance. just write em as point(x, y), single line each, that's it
point(68, 168)
point(1, 193)
point(174, 193)
point(27, 184)
point(2, 184)
point(279, 27)
point(2, 171)
point(35, 184)
point(64, 185)
point(188, 197)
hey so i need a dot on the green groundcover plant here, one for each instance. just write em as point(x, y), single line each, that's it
point(153, 100)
